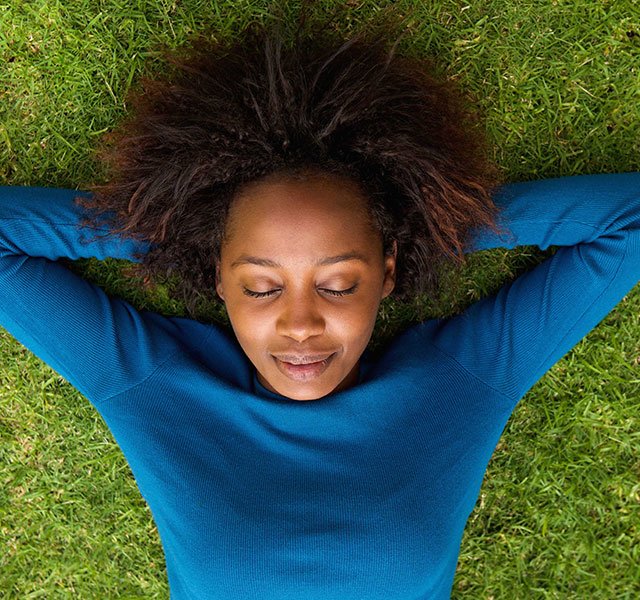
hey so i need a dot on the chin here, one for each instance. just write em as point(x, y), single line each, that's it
point(304, 396)
point(301, 392)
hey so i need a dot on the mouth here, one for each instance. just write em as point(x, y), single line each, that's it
point(305, 368)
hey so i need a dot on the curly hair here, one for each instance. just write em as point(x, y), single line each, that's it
point(228, 114)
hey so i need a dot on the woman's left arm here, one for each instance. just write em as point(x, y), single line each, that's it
point(511, 339)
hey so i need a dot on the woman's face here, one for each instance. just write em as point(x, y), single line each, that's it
point(302, 273)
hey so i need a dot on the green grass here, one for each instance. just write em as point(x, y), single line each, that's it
point(559, 82)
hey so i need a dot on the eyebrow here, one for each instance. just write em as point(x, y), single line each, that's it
point(322, 262)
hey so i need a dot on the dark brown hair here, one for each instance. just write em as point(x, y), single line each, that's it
point(225, 114)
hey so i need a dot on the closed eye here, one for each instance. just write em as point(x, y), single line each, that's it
point(351, 290)
point(258, 294)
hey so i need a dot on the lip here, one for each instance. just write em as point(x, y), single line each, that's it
point(305, 370)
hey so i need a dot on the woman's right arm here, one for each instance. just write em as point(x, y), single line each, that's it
point(101, 345)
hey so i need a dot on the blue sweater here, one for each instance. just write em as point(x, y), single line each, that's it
point(362, 494)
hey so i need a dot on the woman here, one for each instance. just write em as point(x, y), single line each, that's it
point(305, 185)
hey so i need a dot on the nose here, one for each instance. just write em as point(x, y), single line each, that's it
point(300, 318)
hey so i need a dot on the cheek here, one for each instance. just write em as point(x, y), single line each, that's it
point(251, 327)
point(353, 326)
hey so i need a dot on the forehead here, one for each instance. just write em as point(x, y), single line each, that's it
point(326, 208)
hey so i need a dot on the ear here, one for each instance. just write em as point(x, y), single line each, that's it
point(219, 289)
point(389, 282)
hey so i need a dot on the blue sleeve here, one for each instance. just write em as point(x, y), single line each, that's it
point(101, 345)
point(511, 339)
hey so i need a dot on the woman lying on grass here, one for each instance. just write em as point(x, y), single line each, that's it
point(304, 183)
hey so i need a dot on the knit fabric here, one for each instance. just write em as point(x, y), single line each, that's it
point(362, 494)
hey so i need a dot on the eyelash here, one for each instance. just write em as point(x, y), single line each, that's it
point(253, 294)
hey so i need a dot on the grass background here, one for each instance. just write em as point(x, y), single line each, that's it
point(559, 82)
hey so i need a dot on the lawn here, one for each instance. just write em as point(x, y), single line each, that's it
point(559, 85)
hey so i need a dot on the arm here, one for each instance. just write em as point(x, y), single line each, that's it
point(518, 334)
point(101, 345)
